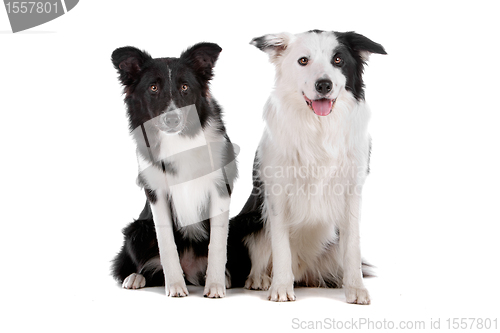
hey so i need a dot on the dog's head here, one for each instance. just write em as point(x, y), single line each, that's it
point(163, 88)
point(318, 65)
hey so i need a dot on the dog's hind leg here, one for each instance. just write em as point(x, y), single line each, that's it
point(124, 270)
point(137, 263)
point(260, 257)
point(134, 281)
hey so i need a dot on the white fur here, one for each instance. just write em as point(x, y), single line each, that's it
point(190, 198)
point(134, 281)
point(313, 168)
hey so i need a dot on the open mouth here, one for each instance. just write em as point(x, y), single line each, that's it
point(322, 106)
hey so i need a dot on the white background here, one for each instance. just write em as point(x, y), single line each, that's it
point(430, 211)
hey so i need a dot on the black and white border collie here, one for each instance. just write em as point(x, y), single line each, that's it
point(187, 168)
point(310, 166)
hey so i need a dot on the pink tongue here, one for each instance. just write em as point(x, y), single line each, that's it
point(322, 107)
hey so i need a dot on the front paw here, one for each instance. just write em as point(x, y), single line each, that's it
point(357, 295)
point(177, 289)
point(281, 293)
point(214, 290)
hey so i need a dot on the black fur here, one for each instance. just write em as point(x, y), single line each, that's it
point(140, 246)
point(351, 46)
point(238, 258)
point(263, 43)
point(151, 195)
point(260, 43)
point(316, 31)
point(248, 221)
point(138, 72)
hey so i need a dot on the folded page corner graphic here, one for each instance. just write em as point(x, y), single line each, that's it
point(25, 15)
point(70, 4)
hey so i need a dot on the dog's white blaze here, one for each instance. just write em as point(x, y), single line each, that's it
point(170, 81)
point(318, 67)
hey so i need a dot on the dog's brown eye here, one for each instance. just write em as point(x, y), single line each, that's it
point(184, 87)
point(303, 61)
point(153, 88)
point(338, 60)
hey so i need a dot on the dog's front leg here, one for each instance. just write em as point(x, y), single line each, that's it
point(281, 289)
point(175, 285)
point(215, 284)
point(355, 290)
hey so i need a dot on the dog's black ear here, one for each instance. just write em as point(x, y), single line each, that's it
point(359, 44)
point(202, 57)
point(129, 61)
point(273, 44)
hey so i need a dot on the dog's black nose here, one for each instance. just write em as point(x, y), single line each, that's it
point(324, 86)
point(172, 121)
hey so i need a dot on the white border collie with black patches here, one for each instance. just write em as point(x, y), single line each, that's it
point(310, 166)
point(187, 167)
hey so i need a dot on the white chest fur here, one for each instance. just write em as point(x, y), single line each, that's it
point(313, 163)
point(192, 174)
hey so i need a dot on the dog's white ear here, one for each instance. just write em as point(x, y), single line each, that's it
point(273, 44)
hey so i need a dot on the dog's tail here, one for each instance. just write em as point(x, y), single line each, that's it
point(367, 269)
